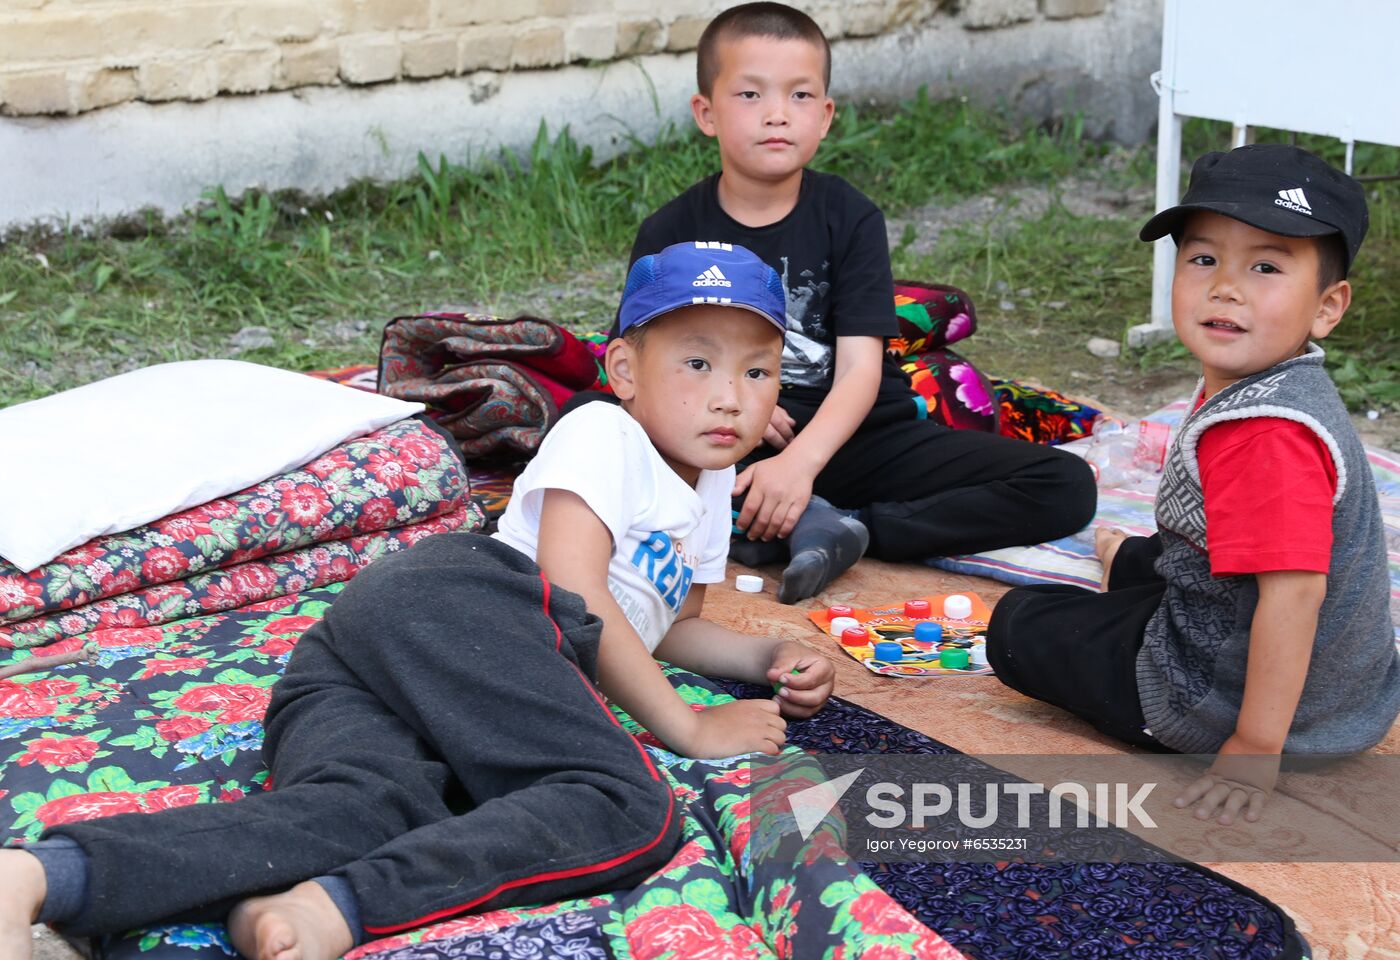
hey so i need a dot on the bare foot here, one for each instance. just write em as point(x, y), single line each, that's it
point(1107, 540)
point(22, 879)
point(301, 924)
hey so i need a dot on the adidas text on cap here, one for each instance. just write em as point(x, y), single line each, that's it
point(1276, 187)
point(697, 273)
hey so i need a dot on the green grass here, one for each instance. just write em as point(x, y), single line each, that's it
point(549, 232)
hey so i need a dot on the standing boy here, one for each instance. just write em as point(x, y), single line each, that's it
point(848, 425)
point(461, 674)
point(1257, 620)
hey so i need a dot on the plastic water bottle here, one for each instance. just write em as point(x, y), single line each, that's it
point(1128, 456)
point(1111, 454)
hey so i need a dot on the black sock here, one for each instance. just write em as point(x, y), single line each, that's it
point(754, 553)
point(825, 544)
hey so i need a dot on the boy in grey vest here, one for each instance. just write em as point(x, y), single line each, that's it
point(1257, 620)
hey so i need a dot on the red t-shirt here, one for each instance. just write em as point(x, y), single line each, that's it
point(1268, 485)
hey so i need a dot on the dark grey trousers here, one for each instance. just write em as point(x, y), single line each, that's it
point(437, 741)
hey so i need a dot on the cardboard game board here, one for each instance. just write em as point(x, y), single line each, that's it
point(920, 659)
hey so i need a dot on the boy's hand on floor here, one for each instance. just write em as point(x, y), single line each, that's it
point(1241, 778)
point(778, 492)
point(779, 432)
point(729, 729)
point(806, 679)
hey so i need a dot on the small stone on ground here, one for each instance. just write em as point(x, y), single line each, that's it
point(1103, 347)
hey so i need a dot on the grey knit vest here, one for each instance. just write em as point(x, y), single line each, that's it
point(1191, 667)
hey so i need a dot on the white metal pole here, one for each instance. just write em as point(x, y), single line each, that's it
point(1168, 189)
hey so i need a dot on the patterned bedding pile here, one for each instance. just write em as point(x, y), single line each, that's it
point(305, 528)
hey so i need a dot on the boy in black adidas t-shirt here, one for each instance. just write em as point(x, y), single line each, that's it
point(848, 427)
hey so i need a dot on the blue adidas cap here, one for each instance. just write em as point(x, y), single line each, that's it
point(696, 273)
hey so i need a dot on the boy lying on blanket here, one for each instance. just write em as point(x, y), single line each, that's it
point(1257, 621)
point(459, 675)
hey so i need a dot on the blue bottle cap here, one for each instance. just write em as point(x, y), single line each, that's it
point(889, 651)
point(928, 632)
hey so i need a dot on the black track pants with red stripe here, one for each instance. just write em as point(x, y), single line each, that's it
point(445, 679)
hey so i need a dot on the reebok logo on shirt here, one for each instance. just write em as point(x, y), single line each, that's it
point(662, 563)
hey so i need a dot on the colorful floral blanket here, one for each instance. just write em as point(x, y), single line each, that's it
point(170, 715)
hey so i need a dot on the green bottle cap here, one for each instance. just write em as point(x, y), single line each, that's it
point(954, 658)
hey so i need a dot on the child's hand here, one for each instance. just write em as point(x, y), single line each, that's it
point(1241, 778)
point(778, 492)
point(779, 432)
point(729, 729)
point(806, 679)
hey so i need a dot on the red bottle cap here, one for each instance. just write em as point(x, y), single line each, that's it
point(918, 609)
point(855, 637)
point(838, 610)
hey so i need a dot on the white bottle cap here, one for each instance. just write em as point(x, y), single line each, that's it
point(748, 583)
point(840, 625)
point(978, 655)
point(957, 607)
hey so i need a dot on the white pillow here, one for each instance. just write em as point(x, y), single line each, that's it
point(130, 449)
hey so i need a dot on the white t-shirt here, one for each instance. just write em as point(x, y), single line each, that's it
point(665, 535)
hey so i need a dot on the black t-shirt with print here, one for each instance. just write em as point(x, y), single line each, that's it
point(833, 256)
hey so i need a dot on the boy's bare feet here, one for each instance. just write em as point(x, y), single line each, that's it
point(22, 880)
point(301, 924)
point(1107, 540)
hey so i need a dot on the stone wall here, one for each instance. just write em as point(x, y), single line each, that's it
point(73, 56)
point(111, 106)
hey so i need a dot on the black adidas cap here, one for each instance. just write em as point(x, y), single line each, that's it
point(1275, 187)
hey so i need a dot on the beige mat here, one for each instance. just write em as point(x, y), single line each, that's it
point(1345, 910)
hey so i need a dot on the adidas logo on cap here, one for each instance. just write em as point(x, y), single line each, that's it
point(712, 278)
point(1294, 200)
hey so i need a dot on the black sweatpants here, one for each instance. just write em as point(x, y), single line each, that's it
point(437, 741)
point(928, 490)
point(1077, 648)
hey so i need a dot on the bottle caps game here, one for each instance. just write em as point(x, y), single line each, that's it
point(938, 636)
